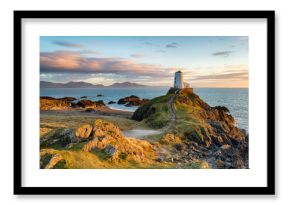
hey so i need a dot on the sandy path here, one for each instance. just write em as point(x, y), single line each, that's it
point(172, 121)
point(139, 133)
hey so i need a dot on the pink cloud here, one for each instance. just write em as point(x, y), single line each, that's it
point(67, 61)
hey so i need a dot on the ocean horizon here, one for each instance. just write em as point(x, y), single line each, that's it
point(235, 99)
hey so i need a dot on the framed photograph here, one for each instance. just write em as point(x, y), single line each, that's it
point(144, 102)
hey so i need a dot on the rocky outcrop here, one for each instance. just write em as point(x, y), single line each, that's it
point(50, 103)
point(223, 108)
point(108, 138)
point(128, 99)
point(100, 95)
point(156, 113)
point(51, 161)
point(144, 112)
point(61, 137)
point(63, 99)
point(132, 101)
point(69, 99)
point(111, 102)
point(53, 104)
point(90, 103)
point(47, 98)
point(136, 103)
point(102, 139)
point(44, 131)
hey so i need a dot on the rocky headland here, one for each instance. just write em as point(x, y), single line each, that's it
point(196, 130)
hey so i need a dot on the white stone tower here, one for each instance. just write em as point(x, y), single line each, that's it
point(178, 80)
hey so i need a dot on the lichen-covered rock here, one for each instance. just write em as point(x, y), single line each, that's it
point(66, 136)
point(107, 127)
point(84, 131)
point(44, 131)
point(48, 103)
point(62, 137)
point(108, 137)
point(51, 161)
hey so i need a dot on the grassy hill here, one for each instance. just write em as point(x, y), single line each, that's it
point(208, 129)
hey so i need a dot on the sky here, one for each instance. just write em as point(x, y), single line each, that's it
point(207, 61)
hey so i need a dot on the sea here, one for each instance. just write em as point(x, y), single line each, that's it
point(235, 99)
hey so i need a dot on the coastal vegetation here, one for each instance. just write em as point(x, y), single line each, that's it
point(191, 134)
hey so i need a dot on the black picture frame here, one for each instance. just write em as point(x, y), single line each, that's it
point(268, 190)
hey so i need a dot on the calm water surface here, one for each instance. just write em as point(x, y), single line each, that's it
point(236, 99)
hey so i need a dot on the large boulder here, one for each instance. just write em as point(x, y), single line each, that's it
point(132, 101)
point(109, 139)
point(61, 137)
point(128, 99)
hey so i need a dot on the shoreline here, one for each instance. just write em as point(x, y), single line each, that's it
point(104, 111)
point(117, 109)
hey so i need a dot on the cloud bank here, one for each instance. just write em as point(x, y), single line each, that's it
point(74, 62)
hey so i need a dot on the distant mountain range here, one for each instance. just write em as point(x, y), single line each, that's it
point(126, 84)
point(46, 84)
